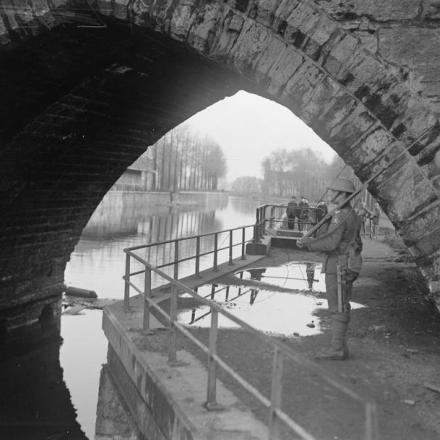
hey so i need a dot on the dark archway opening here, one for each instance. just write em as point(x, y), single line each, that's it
point(95, 100)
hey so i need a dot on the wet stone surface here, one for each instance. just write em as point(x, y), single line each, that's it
point(284, 300)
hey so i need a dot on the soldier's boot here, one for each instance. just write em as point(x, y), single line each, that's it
point(338, 350)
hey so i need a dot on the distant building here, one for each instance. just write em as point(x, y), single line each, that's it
point(139, 176)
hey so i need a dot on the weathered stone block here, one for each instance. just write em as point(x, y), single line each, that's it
point(415, 124)
point(183, 19)
point(342, 122)
point(256, 249)
point(236, 23)
point(374, 10)
point(281, 72)
point(339, 51)
point(249, 44)
point(431, 9)
point(407, 193)
point(367, 151)
point(299, 89)
point(304, 18)
point(269, 56)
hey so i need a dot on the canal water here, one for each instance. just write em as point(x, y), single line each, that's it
point(97, 263)
point(282, 301)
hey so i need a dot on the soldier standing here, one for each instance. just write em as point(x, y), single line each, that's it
point(363, 214)
point(340, 242)
point(375, 216)
point(304, 213)
point(292, 212)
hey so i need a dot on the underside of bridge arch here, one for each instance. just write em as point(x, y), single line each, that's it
point(79, 104)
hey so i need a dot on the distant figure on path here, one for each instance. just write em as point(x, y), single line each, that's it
point(304, 213)
point(321, 212)
point(363, 213)
point(292, 212)
point(375, 220)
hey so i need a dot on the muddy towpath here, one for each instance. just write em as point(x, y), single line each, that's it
point(394, 341)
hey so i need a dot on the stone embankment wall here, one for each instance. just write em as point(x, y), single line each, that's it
point(88, 85)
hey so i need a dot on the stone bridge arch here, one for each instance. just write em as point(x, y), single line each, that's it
point(87, 85)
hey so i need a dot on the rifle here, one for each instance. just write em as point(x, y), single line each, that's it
point(328, 216)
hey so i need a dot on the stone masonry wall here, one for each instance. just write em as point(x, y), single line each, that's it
point(371, 103)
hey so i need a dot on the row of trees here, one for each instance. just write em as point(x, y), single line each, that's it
point(183, 160)
point(299, 172)
point(294, 172)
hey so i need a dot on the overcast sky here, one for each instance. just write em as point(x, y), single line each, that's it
point(249, 127)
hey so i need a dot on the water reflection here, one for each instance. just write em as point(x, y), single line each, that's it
point(124, 220)
point(277, 313)
point(49, 385)
point(262, 299)
point(283, 300)
point(123, 214)
point(35, 401)
point(293, 275)
point(83, 352)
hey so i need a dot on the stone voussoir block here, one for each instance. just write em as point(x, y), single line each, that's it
point(283, 69)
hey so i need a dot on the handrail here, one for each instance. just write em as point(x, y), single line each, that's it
point(198, 254)
point(281, 350)
point(191, 237)
point(276, 343)
point(262, 220)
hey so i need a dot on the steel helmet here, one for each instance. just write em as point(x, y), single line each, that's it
point(343, 185)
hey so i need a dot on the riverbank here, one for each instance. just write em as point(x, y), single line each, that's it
point(394, 340)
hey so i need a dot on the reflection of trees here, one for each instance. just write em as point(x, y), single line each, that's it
point(124, 214)
point(177, 226)
point(243, 205)
point(35, 401)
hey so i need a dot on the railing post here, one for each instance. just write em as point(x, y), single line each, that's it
point(211, 399)
point(276, 393)
point(371, 428)
point(176, 260)
point(172, 353)
point(147, 295)
point(243, 244)
point(215, 251)
point(256, 226)
point(198, 256)
point(231, 240)
point(127, 282)
point(272, 216)
point(263, 219)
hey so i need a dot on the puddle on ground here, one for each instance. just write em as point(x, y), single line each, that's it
point(305, 276)
point(279, 312)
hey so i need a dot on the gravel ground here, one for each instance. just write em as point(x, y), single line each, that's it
point(394, 342)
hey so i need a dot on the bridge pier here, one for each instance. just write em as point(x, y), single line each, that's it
point(46, 312)
point(167, 401)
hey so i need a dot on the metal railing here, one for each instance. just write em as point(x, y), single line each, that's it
point(272, 215)
point(217, 248)
point(281, 351)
